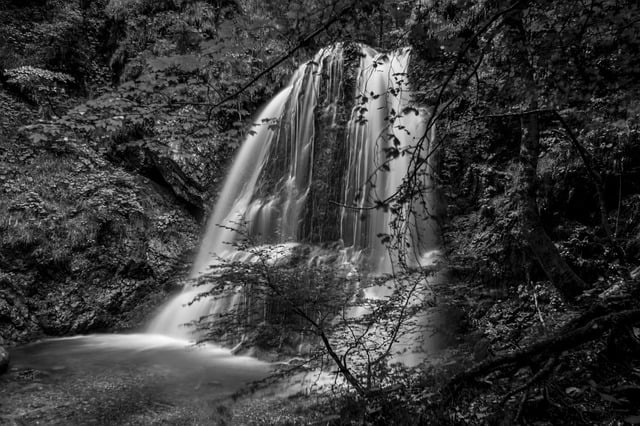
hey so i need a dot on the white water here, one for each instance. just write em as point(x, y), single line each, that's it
point(270, 181)
point(239, 187)
point(384, 94)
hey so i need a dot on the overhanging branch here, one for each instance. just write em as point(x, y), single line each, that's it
point(303, 42)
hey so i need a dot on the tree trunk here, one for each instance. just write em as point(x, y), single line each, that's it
point(531, 229)
point(544, 250)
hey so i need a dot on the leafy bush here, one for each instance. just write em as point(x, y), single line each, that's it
point(59, 36)
point(122, 9)
point(326, 308)
point(38, 84)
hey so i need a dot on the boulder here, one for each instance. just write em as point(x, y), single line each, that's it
point(4, 360)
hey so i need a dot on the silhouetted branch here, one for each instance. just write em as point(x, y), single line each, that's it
point(561, 341)
point(306, 40)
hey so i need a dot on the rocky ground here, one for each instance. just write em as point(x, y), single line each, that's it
point(31, 397)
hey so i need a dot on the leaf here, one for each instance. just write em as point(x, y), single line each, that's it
point(392, 152)
point(409, 109)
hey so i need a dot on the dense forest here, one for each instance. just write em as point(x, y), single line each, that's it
point(120, 119)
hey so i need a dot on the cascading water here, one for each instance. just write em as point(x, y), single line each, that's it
point(384, 133)
point(316, 162)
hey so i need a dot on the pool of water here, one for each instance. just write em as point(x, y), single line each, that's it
point(120, 379)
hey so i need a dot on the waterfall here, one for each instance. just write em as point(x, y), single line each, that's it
point(384, 121)
point(313, 167)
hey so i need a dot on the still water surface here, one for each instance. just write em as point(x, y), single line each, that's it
point(120, 379)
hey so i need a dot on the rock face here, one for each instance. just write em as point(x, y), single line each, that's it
point(190, 169)
point(4, 360)
point(84, 244)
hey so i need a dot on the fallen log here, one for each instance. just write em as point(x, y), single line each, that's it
point(564, 340)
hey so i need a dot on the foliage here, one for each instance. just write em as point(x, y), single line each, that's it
point(169, 84)
point(472, 66)
point(119, 9)
point(487, 67)
point(288, 303)
point(28, 77)
point(179, 61)
point(58, 36)
point(37, 84)
point(483, 58)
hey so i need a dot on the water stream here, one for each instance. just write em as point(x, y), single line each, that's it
point(318, 158)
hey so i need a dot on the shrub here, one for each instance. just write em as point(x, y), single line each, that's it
point(37, 84)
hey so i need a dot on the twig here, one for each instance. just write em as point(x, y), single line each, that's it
point(525, 396)
point(547, 397)
point(515, 114)
point(535, 301)
point(546, 369)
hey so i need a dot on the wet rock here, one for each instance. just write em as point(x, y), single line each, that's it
point(4, 360)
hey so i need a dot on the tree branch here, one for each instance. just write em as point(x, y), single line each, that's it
point(564, 340)
point(283, 58)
